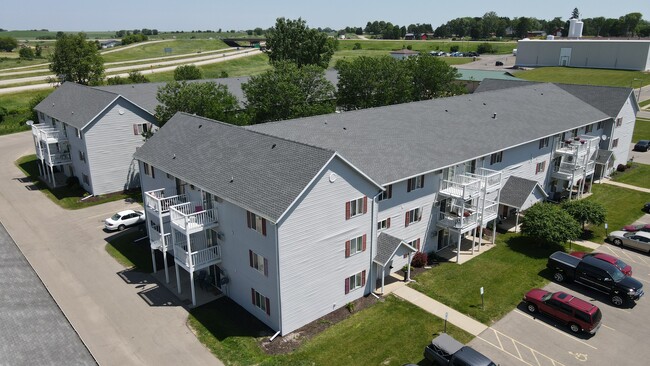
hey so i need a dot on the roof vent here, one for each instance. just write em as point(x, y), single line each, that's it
point(345, 128)
point(446, 110)
point(72, 112)
point(494, 116)
point(273, 146)
point(232, 179)
point(174, 157)
point(200, 126)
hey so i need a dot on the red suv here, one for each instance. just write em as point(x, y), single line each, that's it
point(578, 314)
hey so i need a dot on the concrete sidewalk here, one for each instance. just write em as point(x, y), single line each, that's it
point(628, 186)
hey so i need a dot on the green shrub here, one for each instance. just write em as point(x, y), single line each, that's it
point(453, 48)
point(26, 53)
point(187, 72)
point(485, 48)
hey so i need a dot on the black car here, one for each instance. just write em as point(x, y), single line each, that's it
point(642, 145)
point(646, 207)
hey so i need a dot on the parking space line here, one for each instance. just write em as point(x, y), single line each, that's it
point(604, 326)
point(551, 327)
point(498, 335)
point(621, 252)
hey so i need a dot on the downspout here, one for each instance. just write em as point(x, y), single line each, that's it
point(277, 263)
point(374, 211)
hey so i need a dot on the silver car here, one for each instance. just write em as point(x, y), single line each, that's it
point(638, 240)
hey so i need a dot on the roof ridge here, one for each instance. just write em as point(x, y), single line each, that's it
point(91, 87)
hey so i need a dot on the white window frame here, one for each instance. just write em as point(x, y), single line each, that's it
point(258, 262)
point(589, 128)
point(496, 158)
point(614, 143)
point(383, 224)
point(356, 207)
point(260, 301)
point(415, 215)
point(356, 281)
point(416, 183)
point(599, 126)
point(619, 122)
point(256, 223)
point(543, 142)
point(356, 245)
point(386, 194)
point(140, 128)
point(147, 168)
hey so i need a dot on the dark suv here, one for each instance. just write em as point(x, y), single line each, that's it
point(578, 314)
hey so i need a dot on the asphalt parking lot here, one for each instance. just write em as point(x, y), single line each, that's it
point(523, 339)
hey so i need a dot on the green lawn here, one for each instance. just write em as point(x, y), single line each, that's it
point(68, 198)
point(623, 207)
point(641, 130)
point(17, 104)
point(645, 103)
point(575, 75)
point(638, 175)
point(423, 46)
point(158, 49)
point(129, 253)
point(506, 272)
point(250, 65)
point(392, 332)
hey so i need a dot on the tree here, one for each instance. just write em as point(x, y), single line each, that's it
point(75, 59)
point(7, 44)
point(137, 78)
point(287, 92)
point(586, 212)
point(432, 78)
point(291, 40)
point(575, 14)
point(549, 224)
point(26, 53)
point(38, 52)
point(209, 99)
point(187, 72)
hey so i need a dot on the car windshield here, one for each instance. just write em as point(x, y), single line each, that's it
point(620, 264)
point(116, 217)
point(616, 274)
point(547, 296)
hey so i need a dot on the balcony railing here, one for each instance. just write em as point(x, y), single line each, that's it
point(200, 258)
point(191, 217)
point(460, 222)
point(578, 146)
point(157, 202)
point(490, 179)
point(461, 186)
point(160, 242)
point(57, 159)
point(48, 133)
point(490, 212)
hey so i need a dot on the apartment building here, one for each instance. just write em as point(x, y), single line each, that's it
point(294, 219)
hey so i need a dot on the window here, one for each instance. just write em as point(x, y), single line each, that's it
point(260, 301)
point(574, 133)
point(599, 126)
point(388, 193)
point(355, 281)
point(415, 183)
point(258, 262)
point(614, 143)
point(541, 167)
point(54, 122)
point(543, 143)
point(412, 216)
point(619, 121)
point(84, 178)
point(356, 245)
point(415, 244)
point(589, 128)
point(383, 224)
point(356, 207)
point(79, 134)
point(147, 168)
point(82, 156)
point(496, 158)
point(256, 222)
point(41, 117)
point(140, 128)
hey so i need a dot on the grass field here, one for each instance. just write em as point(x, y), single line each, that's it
point(251, 65)
point(17, 104)
point(641, 130)
point(351, 54)
point(645, 103)
point(130, 254)
point(11, 59)
point(423, 46)
point(575, 75)
point(623, 207)
point(158, 49)
point(392, 332)
point(32, 35)
point(638, 175)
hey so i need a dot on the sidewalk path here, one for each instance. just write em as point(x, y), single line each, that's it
point(628, 186)
point(438, 309)
point(66, 250)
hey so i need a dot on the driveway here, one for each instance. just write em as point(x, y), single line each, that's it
point(523, 339)
point(66, 250)
point(488, 62)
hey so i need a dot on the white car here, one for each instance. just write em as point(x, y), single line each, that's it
point(122, 219)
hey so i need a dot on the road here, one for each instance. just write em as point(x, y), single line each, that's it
point(103, 302)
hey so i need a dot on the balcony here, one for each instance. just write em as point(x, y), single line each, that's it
point(196, 259)
point(461, 186)
point(578, 147)
point(190, 217)
point(53, 159)
point(156, 202)
point(162, 242)
point(572, 171)
point(490, 212)
point(462, 223)
point(490, 179)
point(48, 134)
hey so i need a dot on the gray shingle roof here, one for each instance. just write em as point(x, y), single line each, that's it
point(75, 104)
point(517, 190)
point(386, 247)
point(607, 99)
point(603, 156)
point(268, 173)
point(395, 142)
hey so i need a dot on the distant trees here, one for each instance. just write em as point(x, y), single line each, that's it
point(26, 53)
point(78, 60)
point(8, 44)
point(134, 38)
point(206, 99)
point(288, 91)
point(144, 31)
point(187, 72)
point(134, 77)
point(291, 40)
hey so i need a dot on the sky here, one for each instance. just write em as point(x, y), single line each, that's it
point(168, 15)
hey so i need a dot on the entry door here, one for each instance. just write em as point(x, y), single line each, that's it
point(443, 236)
point(565, 56)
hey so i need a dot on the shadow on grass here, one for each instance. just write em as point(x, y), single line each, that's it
point(587, 234)
point(531, 248)
point(131, 253)
point(224, 318)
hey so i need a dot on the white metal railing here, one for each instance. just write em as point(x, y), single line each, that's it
point(461, 186)
point(578, 146)
point(156, 201)
point(48, 133)
point(55, 159)
point(191, 215)
point(463, 221)
point(490, 179)
point(160, 242)
point(201, 257)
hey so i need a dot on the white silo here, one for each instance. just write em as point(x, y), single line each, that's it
point(575, 28)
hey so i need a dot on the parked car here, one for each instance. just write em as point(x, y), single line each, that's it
point(472, 54)
point(445, 350)
point(624, 267)
point(124, 219)
point(579, 315)
point(646, 207)
point(596, 274)
point(642, 145)
point(638, 240)
point(638, 227)
point(498, 63)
